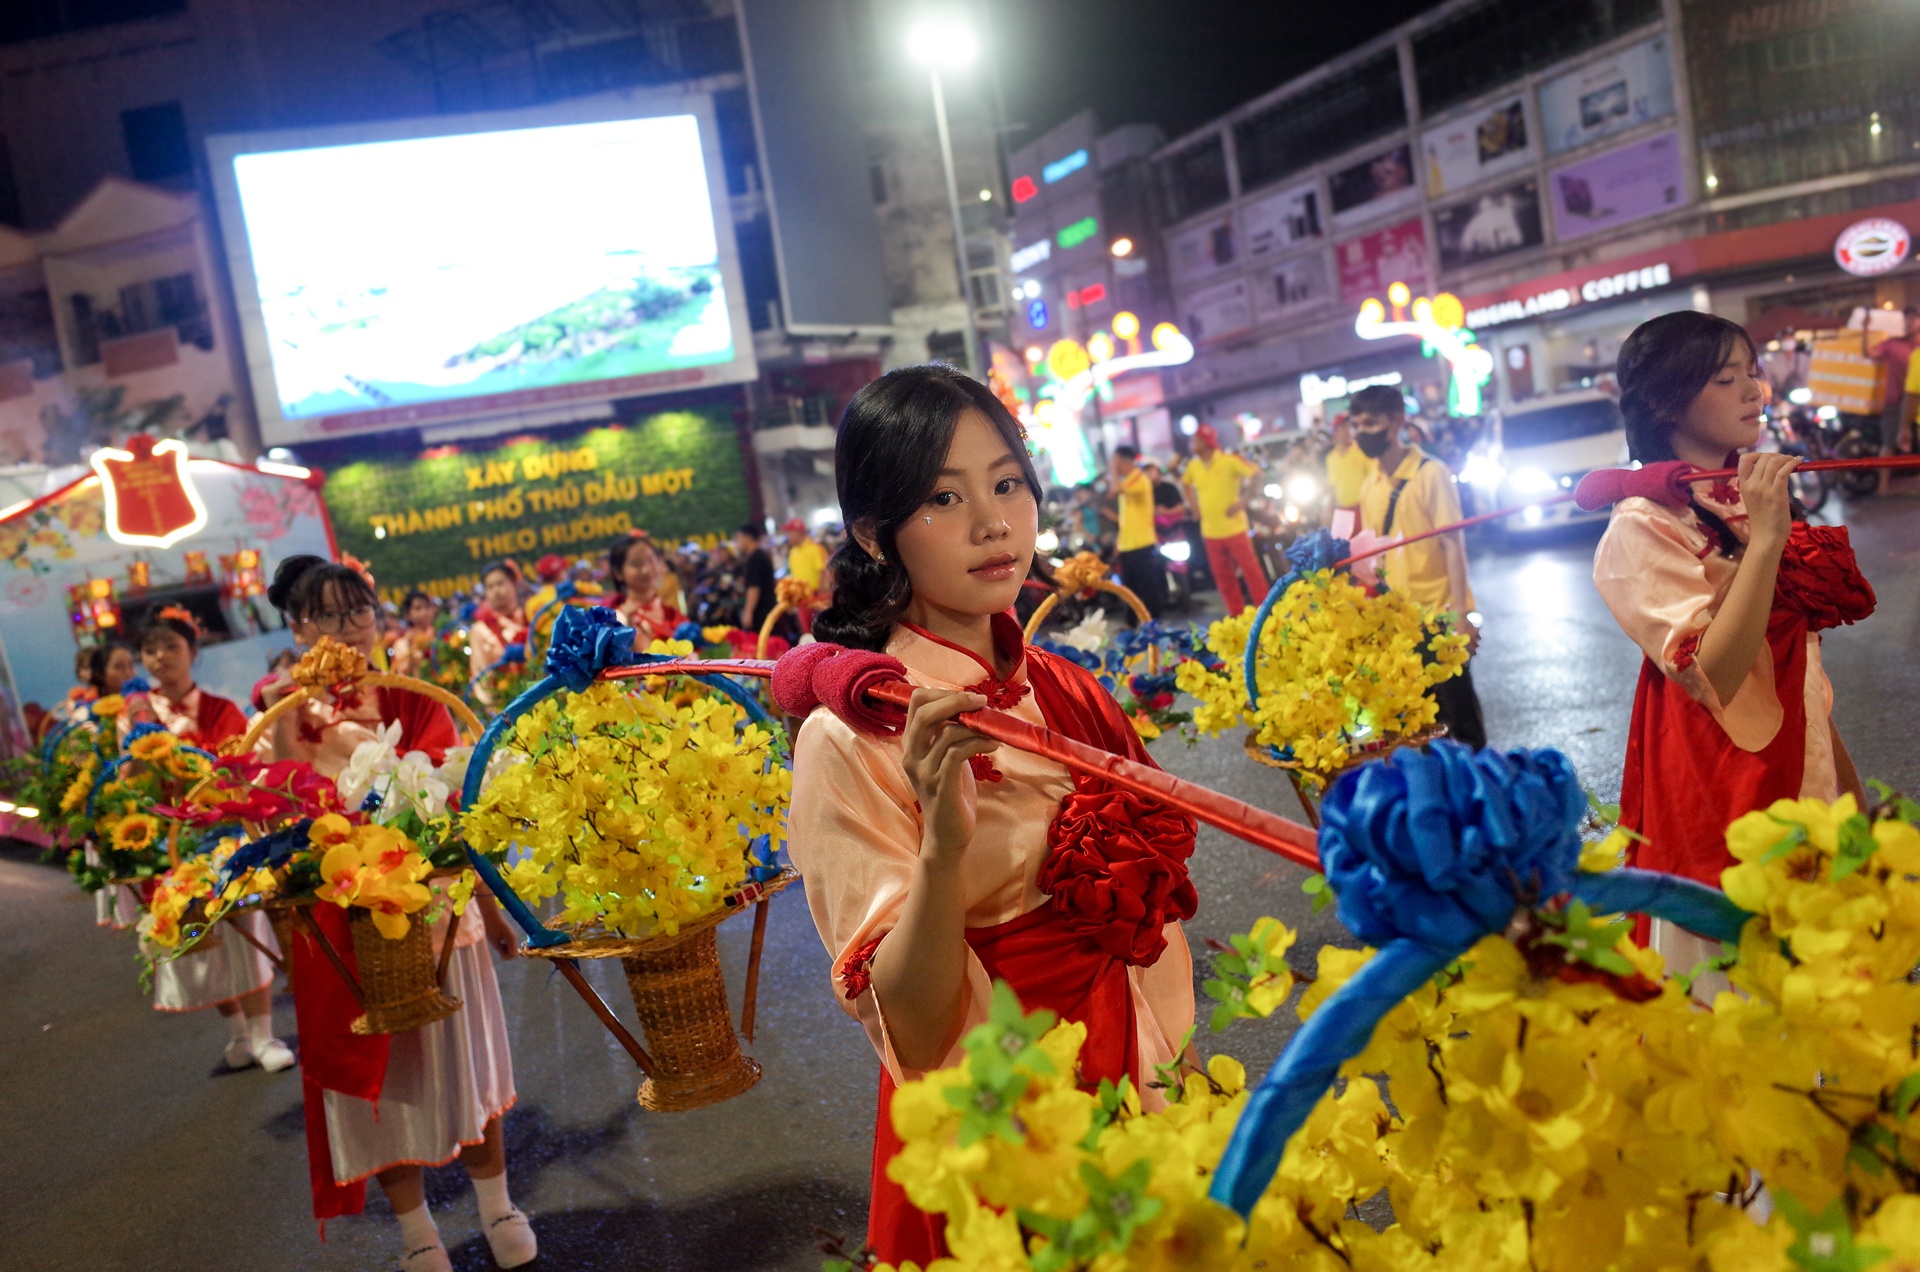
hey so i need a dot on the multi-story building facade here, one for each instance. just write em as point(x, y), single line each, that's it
point(1567, 168)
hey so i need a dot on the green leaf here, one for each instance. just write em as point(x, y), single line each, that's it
point(1824, 1242)
point(1729, 956)
point(1317, 887)
point(1857, 845)
point(1906, 1095)
point(1006, 1042)
point(1167, 1075)
point(986, 1108)
point(1586, 941)
point(1796, 835)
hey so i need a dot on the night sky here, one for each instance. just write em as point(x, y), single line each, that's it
point(1176, 63)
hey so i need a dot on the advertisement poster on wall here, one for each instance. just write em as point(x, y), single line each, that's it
point(1616, 186)
point(1200, 251)
point(1633, 87)
point(1290, 287)
point(1217, 312)
point(1281, 220)
point(1498, 222)
point(1396, 253)
point(1474, 147)
point(1374, 186)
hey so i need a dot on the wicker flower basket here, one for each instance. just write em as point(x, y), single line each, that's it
point(1310, 786)
point(399, 984)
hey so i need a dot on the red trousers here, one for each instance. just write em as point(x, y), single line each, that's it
point(1222, 556)
point(1048, 966)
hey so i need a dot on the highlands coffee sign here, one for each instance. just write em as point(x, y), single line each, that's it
point(1551, 295)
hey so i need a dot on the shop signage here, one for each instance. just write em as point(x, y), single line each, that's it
point(1314, 390)
point(1873, 246)
point(1060, 169)
point(1034, 253)
point(1552, 299)
point(433, 521)
point(151, 500)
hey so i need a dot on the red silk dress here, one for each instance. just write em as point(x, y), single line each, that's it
point(1695, 764)
point(655, 620)
point(1073, 892)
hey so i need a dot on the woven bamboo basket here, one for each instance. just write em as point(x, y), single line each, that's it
point(1310, 786)
point(680, 995)
point(399, 982)
point(1086, 574)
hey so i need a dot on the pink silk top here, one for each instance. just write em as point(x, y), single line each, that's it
point(1662, 574)
point(854, 832)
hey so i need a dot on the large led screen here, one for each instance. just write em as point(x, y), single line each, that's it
point(400, 280)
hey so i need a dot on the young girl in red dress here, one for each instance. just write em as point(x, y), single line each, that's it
point(388, 1104)
point(501, 619)
point(1726, 596)
point(234, 976)
point(634, 567)
point(936, 862)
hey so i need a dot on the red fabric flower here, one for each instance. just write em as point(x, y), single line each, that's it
point(1820, 578)
point(1116, 868)
point(983, 769)
point(856, 973)
point(1683, 656)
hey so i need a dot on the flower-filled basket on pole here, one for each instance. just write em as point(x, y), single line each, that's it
point(651, 811)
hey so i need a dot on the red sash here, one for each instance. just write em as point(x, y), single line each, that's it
point(1051, 966)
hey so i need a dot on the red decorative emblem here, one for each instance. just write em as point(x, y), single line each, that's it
point(150, 497)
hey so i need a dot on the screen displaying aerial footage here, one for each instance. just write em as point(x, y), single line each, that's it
point(426, 278)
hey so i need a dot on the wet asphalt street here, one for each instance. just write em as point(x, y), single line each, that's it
point(127, 1147)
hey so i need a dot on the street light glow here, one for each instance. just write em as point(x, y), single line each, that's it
point(943, 43)
point(1122, 247)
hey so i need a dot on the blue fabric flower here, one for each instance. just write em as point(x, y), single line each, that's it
point(1441, 846)
point(1071, 653)
point(136, 684)
point(269, 851)
point(690, 632)
point(144, 729)
point(586, 642)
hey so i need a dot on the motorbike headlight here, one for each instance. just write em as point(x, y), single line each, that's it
point(1531, 481)
point(1799, 397)
point(1302, 489)
point(1482, 469)
point(1047, 541)
point(1273, 490)
point(1179, 550)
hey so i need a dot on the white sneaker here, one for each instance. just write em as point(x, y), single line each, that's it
point(428, 1258)
point(511, 1239)
point(274, 1056)
point(239, 1054)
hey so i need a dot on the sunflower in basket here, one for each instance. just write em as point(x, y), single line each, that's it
point(127, 808)
point(641, 809)
point(1338, 669)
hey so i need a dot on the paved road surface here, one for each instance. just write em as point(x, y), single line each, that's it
point(127, 1147)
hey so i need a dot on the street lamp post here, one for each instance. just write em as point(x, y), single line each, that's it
point(935, 46)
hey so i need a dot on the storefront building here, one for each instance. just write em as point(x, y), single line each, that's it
point(1567, 171)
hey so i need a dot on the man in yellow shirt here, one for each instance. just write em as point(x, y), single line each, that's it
point(1347, 468)
point(1408, 493)
point(1139, 547)
point(806, 559)
point(1218, 485)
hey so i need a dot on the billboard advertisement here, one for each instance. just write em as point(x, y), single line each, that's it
point(1201, 250)
point(1396, 253)
point(1294, 286)
point(1478, 145)
point(1498, 222)
point(1374, 186)
point(1640, 179)
point(427, 271)
point(1214, 313)
point(1629, 88)
point(1281, 220)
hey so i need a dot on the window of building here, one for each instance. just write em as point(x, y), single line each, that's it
point(10, 213)
point(877, 176)
point(1342, 112)
point(1501, 40)
point(949, 347)
point(156, 138)
point(739, 152)
point(1196, 178)
point(23, 20)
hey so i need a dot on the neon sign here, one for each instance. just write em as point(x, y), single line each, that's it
point(1314, 390)
point(1077, 233)
point(1037, 315)
point(1441, 323)
point(1080, 372)
point(1025, 258)
point(1024, 189)
point(151, 499)
point(1061, 169)
point(1091, 294)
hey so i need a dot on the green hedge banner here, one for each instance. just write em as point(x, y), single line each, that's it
point(434, 522)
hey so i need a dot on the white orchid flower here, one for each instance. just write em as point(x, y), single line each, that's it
point(371, 760)
point(1089, 634)
point(418, 785)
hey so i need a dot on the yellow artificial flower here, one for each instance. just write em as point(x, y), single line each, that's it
point(153, 746)
point(108, 707)
point(135, 832)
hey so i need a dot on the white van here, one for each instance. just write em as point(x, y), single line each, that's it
point(1543, 448)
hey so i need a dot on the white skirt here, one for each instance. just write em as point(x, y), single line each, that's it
point(445, 1081)
point(230, 970)
point(115, 906)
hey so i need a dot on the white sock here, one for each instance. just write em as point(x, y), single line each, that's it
point(492, 1195)
point(238, 1024)
point(417, 1229)
point(260, 1030)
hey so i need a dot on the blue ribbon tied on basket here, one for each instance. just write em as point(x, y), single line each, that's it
point(1307, 554)
point(585, 643)
point(1428, 852)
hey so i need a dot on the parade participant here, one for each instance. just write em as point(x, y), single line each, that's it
point(1733, 709)
point(1139, 545)
point(1347, 469)
point(635, 568)
point(386, 1105)
point(1410, 492)
point(756, 575)
point(806, 559)
point(1218, 486)
point(498, 624)
point(234, 976)
point(935, 862)
point(415, 645)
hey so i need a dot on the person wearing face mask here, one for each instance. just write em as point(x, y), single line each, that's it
point(1407, 493)
point(1733, 709)
point(937, 862)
